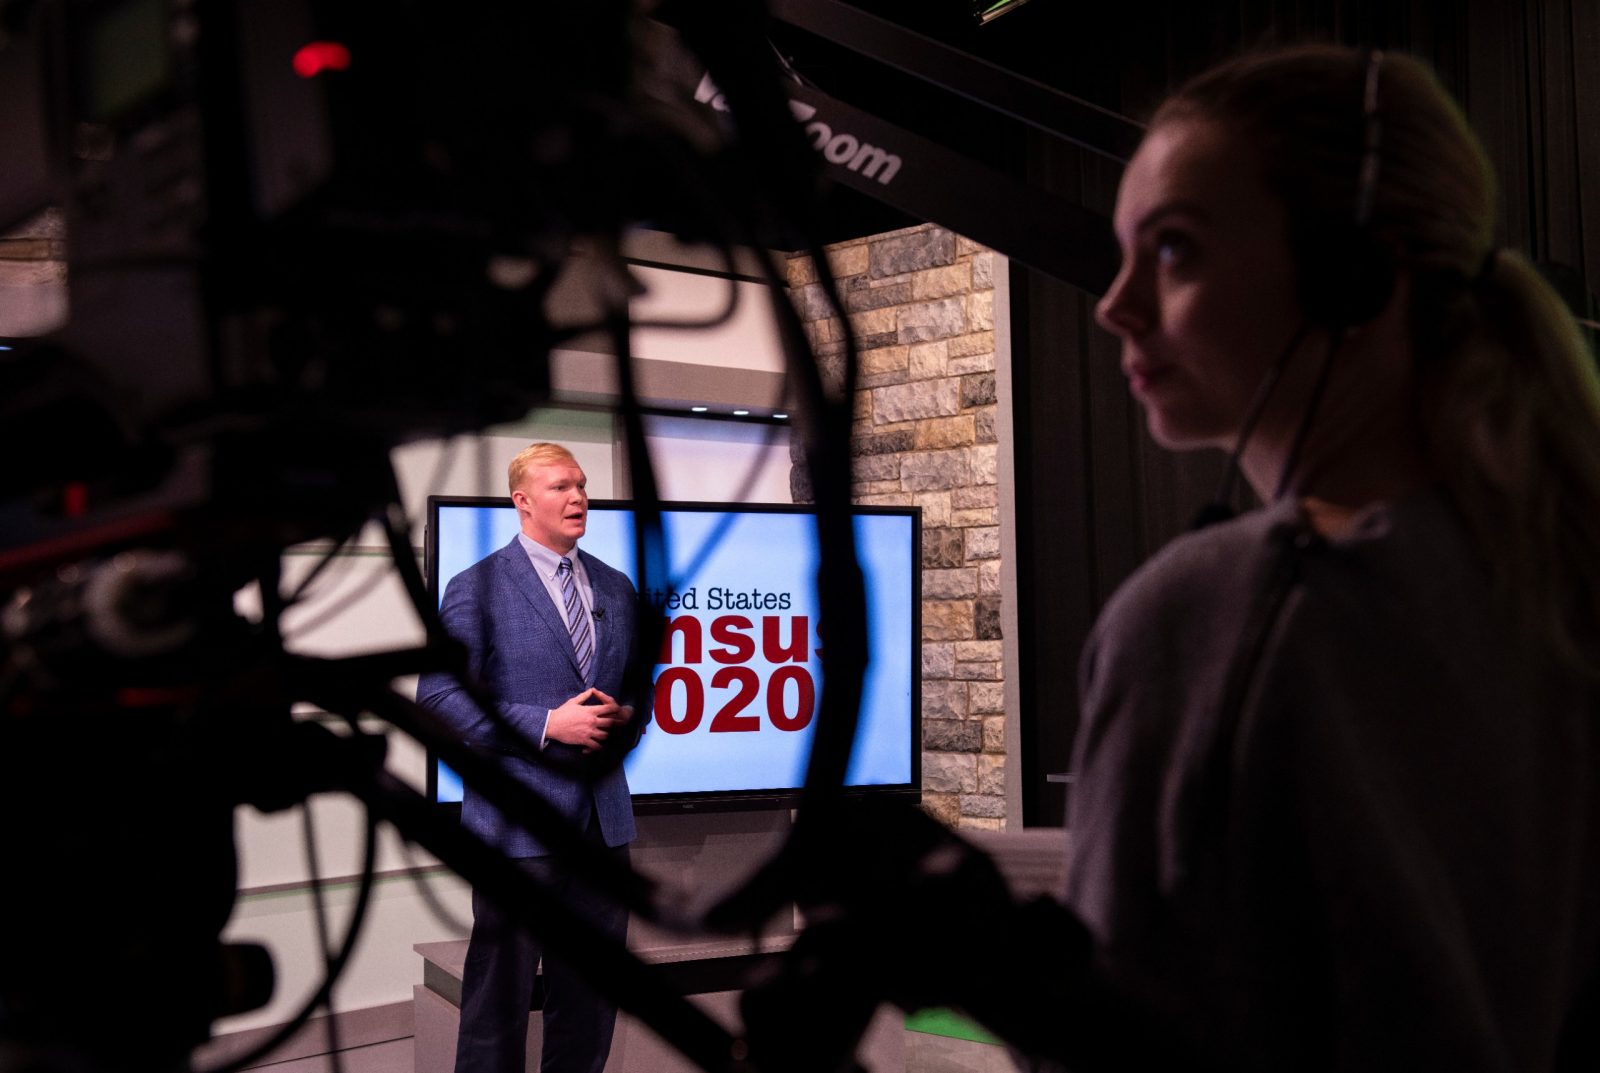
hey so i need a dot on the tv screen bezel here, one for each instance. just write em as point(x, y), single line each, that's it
point(721, 800)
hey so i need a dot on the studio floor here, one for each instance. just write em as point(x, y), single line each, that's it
point(925, 1053)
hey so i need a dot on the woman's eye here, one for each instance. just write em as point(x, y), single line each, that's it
point(1172, 247)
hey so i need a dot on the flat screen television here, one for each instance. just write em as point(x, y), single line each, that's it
point(732, 709)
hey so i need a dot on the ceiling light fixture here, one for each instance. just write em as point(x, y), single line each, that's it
point(986, 11)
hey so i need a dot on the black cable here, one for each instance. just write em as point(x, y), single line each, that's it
point(350, 599)
point(719, 531)
point(308, 834)
point(11, 673)
point(425, 727)
point(839, 582)
point(729, 309)
point(1220, 508)
point(445, 462)
point(650, 541)
point(483, 466)
point(334, 968)
point(1293, 458)
point(440, 468)
point(629, 886)
point(667, 148)
point(430, 898)
point(839, 573)
point(716, 320)
point(789, 68)
point(415, 872)
point(760, 114)
point(608, 965)
point(1258, 405)
point(316, 570)
point(397, 531)
point(651, 554)
point(839, 590)
point(831, 750)
point(685, 165)
point(831, 510)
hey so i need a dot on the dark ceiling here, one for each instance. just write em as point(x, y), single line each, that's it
point(1119, 58)
point(911, 64)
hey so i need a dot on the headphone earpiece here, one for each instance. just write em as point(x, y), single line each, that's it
point(1349, 280)
point(1347, 276)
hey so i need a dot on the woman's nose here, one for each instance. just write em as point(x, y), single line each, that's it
point(1123, 311)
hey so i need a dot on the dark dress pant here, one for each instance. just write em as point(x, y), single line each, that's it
point(497, 987)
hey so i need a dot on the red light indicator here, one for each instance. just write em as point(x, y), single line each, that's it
point(75, 499)
point(315, 57)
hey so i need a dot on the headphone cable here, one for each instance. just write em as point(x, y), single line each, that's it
point(1219, 509)
point(1293, 458)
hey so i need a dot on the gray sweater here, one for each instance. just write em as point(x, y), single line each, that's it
point(1327, 814)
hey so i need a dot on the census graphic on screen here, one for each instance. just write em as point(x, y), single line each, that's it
point(739, 678)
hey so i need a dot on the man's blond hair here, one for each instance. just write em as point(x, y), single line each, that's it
point(537, 454)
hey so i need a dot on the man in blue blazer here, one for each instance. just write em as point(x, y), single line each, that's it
point(548, 628)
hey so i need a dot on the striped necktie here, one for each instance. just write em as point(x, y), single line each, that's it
point(577, 621)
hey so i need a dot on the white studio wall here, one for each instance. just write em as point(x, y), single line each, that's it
point(716, 461)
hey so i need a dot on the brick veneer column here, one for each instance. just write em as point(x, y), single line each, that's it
point(921, 301)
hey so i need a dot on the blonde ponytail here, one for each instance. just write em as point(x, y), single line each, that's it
point(1511, 407)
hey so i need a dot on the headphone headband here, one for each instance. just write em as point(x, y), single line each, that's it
point(1347, 273)
point(1372, 139)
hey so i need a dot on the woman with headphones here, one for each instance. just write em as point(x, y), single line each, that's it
point(1337, 793)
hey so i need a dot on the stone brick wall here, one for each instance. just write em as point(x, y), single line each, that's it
point(921, 301)
point(33, 276)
